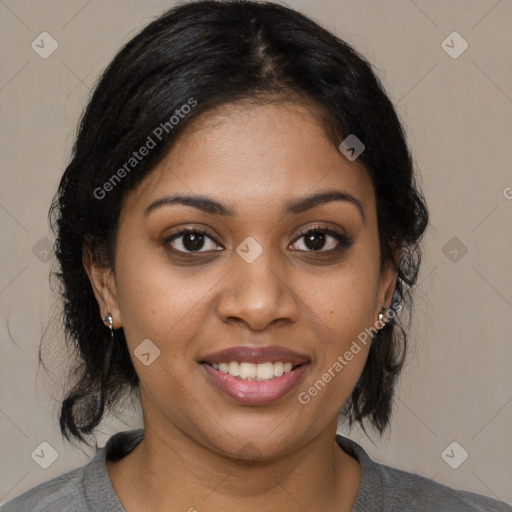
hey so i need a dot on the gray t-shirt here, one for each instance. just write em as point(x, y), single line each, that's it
point(381, 489)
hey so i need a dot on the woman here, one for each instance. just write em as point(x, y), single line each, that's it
point(237, 234)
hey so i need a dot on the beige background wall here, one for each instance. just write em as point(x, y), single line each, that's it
point(457, 112)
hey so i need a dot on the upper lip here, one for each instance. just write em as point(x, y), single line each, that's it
point(255, 355)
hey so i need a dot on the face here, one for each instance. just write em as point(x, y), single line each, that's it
point(246, 274)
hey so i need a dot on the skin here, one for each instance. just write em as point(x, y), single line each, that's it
point(202, 449)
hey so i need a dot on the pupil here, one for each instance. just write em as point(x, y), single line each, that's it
point(312, 244)
point(193, 241)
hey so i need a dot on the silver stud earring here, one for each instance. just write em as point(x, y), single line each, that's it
point(382, 317)
point(110, 321)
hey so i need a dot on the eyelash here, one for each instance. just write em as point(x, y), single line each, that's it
point(344, 242)
point(179, 234)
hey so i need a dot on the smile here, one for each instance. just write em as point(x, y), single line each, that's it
point(251, 371)
point(255, 375)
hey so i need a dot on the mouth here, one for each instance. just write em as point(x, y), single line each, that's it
point(255, 375)
point(244, 370)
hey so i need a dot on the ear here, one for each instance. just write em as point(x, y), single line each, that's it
point(103, 284)
point(387, 281)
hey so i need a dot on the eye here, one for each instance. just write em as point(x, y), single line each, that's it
point(320, 239)
point(191, 240)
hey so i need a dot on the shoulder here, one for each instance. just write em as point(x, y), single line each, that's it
point(64, 493)
point(390, 489)
point(414, 492)
point(83, 489)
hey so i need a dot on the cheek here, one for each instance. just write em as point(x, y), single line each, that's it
point(343, 307)
point(344, 300)
point(157, 301)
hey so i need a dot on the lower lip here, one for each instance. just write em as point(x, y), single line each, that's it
point(255, 392)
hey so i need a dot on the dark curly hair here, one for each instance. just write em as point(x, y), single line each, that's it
point(217, 53)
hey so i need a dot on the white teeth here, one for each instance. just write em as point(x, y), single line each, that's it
point(251, 371)
point(234, 368)
point(265, 370)
point(278, 369)
point(247, 371)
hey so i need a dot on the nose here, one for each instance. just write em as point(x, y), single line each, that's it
point(257, 295)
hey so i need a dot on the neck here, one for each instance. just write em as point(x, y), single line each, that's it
point(175, 469)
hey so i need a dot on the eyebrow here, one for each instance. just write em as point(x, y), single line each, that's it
point(294, 206)
point(302, 204)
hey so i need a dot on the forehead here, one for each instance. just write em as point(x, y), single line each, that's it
point(254, 155)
